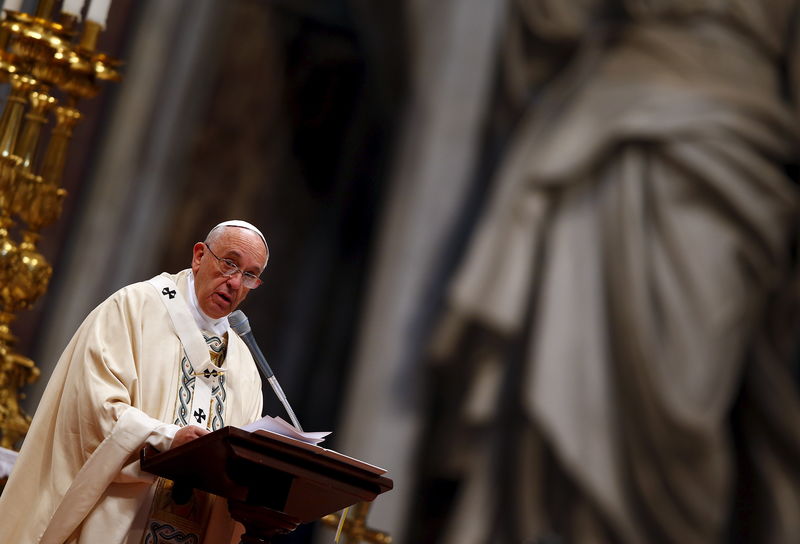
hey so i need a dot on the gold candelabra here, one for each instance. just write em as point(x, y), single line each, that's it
point(49, 65)
point(355, 528)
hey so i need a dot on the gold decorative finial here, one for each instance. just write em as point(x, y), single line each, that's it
point(355, 527)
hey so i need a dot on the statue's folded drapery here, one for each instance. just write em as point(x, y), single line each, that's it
point(636, 268)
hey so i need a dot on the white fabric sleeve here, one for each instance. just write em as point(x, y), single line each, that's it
point(160, 438)
point(103, 467)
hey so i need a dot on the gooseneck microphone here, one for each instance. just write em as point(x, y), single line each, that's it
point(241, 326)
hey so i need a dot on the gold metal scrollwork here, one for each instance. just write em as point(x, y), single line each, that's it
point(355, 527)
point(50, 65)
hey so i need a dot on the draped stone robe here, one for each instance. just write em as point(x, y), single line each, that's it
point(635, 278)
point(115, 388)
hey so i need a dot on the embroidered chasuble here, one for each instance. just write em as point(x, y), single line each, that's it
point(185, 523)
point(216, 347)
point(123, 382)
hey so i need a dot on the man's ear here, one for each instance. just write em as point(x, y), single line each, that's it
point(198, 251)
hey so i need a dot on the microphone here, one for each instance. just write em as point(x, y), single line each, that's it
point(241, 326)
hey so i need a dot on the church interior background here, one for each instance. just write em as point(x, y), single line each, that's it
point(362, 138)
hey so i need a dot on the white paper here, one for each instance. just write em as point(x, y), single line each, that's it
point(278, 425)
point(7, 459)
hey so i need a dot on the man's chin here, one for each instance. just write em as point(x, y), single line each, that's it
point(219, 308)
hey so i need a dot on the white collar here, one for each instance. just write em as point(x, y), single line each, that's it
point(217, 326)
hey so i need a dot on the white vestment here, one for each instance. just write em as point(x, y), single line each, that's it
point(114, 389)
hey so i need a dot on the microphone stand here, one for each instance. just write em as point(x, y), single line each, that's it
point(241, 326)
point(273, 381)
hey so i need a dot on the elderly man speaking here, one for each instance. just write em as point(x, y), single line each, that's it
point(155, 364)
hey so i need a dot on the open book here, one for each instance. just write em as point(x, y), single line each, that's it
point(278, 425)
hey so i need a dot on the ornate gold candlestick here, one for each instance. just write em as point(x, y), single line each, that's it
point(44, 67)
point(15, 370)
point(55, 156)
point(355, 527)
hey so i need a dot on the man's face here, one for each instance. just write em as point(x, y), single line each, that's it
point(217, 295)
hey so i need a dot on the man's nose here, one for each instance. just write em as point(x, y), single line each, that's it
point(235, 280)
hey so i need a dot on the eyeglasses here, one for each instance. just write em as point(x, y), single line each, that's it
point(229, 268)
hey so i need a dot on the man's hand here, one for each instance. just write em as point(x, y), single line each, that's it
point(187, 434)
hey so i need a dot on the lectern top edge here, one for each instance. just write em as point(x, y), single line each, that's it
point(332, 454)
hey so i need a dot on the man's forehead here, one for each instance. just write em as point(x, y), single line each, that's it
point(236, 245)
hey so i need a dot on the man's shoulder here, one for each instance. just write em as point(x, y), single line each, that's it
point(142, 291)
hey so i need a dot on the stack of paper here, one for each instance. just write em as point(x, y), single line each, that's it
point(7, 459)
point(278, 425)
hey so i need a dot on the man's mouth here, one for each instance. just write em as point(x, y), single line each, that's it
point(224, 297)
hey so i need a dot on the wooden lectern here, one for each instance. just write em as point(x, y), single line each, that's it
point(272, 483)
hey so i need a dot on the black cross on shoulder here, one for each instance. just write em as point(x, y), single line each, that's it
point(167, 292)
point(199, 415)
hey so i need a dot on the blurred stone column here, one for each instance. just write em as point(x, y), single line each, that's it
point(454, 43)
